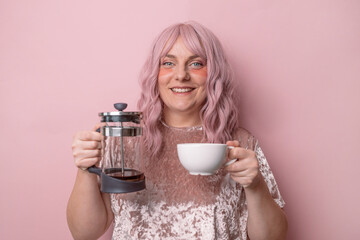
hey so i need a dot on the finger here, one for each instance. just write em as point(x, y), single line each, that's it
point(233, 143)
point(238, 153)
point(249, 162)
point(88, 136)
point(237, 166)
point(242, 173)
point(90, 145)
point(98, 125)
point(86, 163)
point(230, 162)
point(83, 154)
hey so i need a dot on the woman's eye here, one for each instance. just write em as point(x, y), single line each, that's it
point(196, 64)
point(167, 64)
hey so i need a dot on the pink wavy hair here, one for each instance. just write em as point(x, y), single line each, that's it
point(219, 115)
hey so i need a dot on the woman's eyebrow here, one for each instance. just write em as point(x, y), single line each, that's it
point(193, 57)
point(173, 56)
point(170, 56)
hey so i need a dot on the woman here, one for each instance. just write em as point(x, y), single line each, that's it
point(187, 96)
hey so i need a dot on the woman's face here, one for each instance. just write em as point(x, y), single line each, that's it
point(181, 80)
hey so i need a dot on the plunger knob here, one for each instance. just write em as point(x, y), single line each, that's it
point(120, 106)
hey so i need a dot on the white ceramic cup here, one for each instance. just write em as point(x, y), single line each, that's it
point(203, 158)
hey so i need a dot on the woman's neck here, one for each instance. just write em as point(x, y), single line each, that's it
point(174, 119)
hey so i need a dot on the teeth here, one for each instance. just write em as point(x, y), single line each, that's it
point(181, 90)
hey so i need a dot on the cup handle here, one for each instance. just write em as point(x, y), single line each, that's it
point(232, 160)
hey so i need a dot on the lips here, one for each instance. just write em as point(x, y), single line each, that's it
point(181, 89)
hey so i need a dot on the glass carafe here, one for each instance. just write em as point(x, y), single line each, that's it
point(121, 158)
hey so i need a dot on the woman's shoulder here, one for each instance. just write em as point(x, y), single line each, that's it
point(245, 137)
point(241, 131)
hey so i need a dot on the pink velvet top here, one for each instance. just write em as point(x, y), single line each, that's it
point(177, 205)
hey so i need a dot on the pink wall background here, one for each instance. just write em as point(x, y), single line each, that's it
point(298, 65)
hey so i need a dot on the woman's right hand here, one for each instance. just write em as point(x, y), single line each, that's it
point(86, 148)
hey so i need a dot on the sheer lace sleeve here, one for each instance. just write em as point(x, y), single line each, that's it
point(268, 176)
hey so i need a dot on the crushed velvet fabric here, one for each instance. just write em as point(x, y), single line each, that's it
point(177, 205)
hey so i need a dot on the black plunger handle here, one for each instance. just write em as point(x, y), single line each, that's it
point(95, 170)
point(120, 106)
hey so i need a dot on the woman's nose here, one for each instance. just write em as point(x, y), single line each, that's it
point(182, 73)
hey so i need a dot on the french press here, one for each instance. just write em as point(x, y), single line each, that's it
point(121, 160)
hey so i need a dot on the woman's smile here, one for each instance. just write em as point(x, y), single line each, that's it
point(181, 89)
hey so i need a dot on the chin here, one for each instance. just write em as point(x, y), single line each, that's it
point(187, 109)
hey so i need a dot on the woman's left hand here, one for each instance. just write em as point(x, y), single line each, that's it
point(246, 169)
